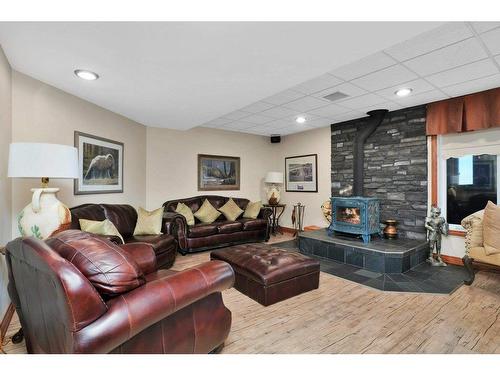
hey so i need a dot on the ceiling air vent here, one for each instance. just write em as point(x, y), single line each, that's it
point(336, 96)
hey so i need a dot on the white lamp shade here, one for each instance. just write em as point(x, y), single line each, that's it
point(37, 160)
point(274, 178)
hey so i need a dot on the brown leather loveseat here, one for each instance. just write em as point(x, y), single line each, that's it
point(79, 293)
point(221, 232)
point(124, 217)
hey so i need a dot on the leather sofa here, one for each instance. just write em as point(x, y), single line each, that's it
point(124, 217)
point(200, 236)
point(79, 293)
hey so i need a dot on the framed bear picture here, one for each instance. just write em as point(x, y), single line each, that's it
point(100, 165)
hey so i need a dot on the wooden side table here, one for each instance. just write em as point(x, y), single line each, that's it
point(277, 210)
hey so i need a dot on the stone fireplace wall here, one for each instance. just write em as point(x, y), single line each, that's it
point(395, 166)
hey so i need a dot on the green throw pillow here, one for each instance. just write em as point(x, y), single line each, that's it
point(231, 210)
point(207, 213)
point(252, 210)
point(186, 212)
point(105, 228)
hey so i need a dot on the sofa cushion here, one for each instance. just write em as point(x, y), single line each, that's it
point(252, 210)
point(491, 228)
point(148, 222)
point(253, 224)
point(207, 213)
point(202, 230)
point(111, 270)
point(227, 227)
point(230, 210)
point(186, 212)
point(105, 228)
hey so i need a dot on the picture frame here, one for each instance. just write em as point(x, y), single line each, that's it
point(301, 173)
point(217, 172)
point(100, 165)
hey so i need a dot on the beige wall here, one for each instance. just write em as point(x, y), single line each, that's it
point(172, 162)
point(315, 141)
point(5, 186)
point(42, 113)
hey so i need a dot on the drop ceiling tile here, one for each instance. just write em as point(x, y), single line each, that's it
point(236, 115)
point(482, 27)
point(418, 86)
point(385, 78)
point(497, 58)
point(345, 88)
point(348, 116)
point(464, 73)
point(439, 37)
point(424, 98)
point(364, 66)
point(257, 119)
point(218, 122)
point(257, 107)
point(238, 125)
point(279, 124)
point(283, 97)
point(306, 103)
point(363, 101)
point(317, 84)
point(319, 123)
point(492, 41)
point(278, 112)
point(475, 85)
point(389, 105)
point(295, 129)
point(330, 110)
point(447, 58)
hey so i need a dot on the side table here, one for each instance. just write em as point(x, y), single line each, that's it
point(277, 210)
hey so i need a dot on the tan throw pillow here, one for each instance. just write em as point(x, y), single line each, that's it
point(252, 210)
point(491, 228)
point(148, 222)
point(207, 213)
point(105, 228)
point(231, 210)
point(186, 212)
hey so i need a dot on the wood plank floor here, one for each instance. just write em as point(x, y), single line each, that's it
point(345, 317)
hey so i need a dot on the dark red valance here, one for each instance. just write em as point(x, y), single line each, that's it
point(465, 113)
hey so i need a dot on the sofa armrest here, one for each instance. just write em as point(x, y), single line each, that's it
point(473, 224)
point(265, 213)
point(176, 225)
point(133, 312)
point(143, 254)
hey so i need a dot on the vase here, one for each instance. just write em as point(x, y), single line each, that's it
point(44, 216)
point(273, 196)
point(390, 230)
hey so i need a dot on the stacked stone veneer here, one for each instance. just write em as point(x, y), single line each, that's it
point(395, 166)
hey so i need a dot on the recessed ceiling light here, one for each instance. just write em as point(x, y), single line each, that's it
point(86, 75)
point(404, 92)
point(300, 120)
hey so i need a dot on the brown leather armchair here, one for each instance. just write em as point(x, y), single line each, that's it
point(124, 217)
point(78, 293)
point(221, 232)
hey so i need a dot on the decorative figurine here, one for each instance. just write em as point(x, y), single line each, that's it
point(436, 226)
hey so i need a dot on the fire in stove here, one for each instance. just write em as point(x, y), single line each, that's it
point(349, 215)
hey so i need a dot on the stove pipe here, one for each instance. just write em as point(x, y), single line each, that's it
point(376, 118)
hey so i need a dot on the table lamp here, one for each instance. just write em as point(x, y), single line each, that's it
point(45, 214)
point(274, 180)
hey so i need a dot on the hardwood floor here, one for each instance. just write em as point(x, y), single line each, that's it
point(345, 317)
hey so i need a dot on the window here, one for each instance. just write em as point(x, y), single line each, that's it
point(471, 181)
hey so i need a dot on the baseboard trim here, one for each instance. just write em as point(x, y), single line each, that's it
point(4, 326)
point(456, 261)
point(287, 230)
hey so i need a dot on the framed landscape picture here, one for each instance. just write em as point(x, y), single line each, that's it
point(301, 173)
point(100, 165)
point(218, 172)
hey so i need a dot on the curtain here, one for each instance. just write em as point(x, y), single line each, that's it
point(463, 114)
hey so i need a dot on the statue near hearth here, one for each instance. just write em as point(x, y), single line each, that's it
point(436, 226)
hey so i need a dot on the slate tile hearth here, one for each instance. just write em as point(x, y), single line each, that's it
point(421, 279)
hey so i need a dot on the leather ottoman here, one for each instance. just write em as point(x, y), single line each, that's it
point(268, 274)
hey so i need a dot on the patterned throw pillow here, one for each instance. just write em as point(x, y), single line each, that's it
point(207, 213)
point(105, 228)
point(252, 210)
point(148, 222)
point(231, 210)
point(186, 212)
